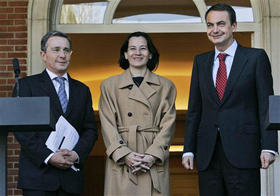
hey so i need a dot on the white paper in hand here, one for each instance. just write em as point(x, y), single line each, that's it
point(63, 129)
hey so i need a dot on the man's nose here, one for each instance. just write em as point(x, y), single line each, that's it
point(215, 29)
point(62, 53)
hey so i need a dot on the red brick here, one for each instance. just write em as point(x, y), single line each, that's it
point(3, 16)
point(6, 10)
point(3, 4)
point(20, 48)
point(17, 28)
point(10, 178)
point(20, 10)
point(18, 3)
point(3, 94)
point(14, 146)
point(3, 68)
point(22, 61)
point(10, 192)
point(3, 55)
point(17, 16)
point(3, 29)
point(21, 35)
point(3, 42)
point(10, 68)
point(6, 88)
point(10, 139)
point(6, 35)
point(3, 81)
point(6, 22)
point(5, 61)
point(6, 74)
point(12, 159)
point(17, 55)
point(23, 68)
point(17, 42)
point(6, 48)
point(11, 81)
point(9, 94)
point(17, 192)
point(20, 22)
point(12, 185)
point(10, 152)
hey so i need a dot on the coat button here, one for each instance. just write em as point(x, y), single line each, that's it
point(121, 142)
point(130, 87)
point(129, 114)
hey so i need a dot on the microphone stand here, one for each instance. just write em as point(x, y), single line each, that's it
point(17, 84)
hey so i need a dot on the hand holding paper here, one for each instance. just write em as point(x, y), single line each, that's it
point(63, 140)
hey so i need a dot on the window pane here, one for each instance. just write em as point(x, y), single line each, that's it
point(156, 11)
point(243, 9)
point(83, 13)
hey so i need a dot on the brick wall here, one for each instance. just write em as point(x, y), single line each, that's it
point(13, 43)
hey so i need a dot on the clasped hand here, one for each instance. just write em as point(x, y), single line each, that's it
point(63, 159)
point(139, 163)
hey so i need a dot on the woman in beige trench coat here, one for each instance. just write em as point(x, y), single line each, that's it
point(137, 114)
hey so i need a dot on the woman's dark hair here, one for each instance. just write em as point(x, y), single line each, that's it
point(50, 34)
point(152, 63)
point(223, 7)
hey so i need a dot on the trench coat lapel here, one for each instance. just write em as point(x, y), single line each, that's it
point(140, 94)
point(147, 89)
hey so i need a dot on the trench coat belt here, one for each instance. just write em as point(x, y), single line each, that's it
point(132, 144)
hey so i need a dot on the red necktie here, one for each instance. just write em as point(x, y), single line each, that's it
point(221, 79)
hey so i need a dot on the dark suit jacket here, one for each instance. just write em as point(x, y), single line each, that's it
point(239, 117)
point(33, 172)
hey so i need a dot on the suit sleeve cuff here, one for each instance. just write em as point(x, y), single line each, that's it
point(271, 151)
point(190, 154)
point(48, 158)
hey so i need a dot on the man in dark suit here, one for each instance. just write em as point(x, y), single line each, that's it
point(41, 171)
point(227, 107)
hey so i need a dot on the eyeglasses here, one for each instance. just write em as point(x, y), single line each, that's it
point(57, 50)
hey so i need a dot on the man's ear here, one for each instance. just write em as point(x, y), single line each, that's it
point(234, 27)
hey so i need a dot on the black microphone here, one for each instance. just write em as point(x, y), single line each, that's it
point(17, 72)
point(16, 67)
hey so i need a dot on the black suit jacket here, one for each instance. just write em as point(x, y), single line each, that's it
point(239, 117)
point(33, 172)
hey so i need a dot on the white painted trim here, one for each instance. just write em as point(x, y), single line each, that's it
point(38, 23)
point(202, 8)
point(110, 11)
point(149, 28)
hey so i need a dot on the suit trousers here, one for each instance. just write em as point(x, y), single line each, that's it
point(221, 178)
point(59, 192)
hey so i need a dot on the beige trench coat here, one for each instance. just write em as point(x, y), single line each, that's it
point(140, 120)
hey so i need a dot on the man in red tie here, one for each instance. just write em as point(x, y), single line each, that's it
point(227, 107)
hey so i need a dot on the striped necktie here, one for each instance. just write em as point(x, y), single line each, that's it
point(62, 93)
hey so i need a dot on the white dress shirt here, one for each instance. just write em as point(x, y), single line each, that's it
point(56, 86)
point(56, 83)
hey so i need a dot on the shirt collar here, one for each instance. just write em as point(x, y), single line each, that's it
point(229, 51)
point(53, 75)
